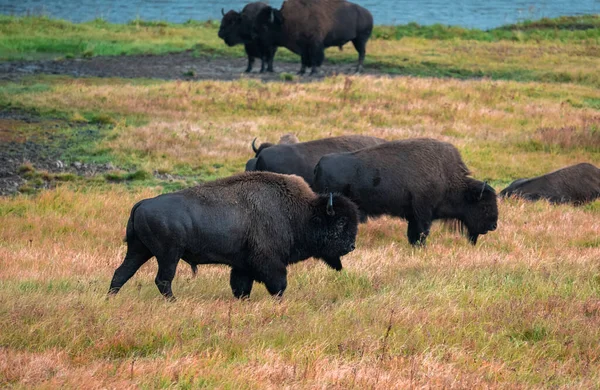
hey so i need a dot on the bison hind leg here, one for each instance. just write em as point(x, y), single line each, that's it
point(137, 255)
point(241, 283)
point(167, 267)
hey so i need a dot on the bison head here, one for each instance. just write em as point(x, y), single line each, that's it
point(230, 30)
point(515, 188)
point(268, 26)
point(251, 165)
point(481, 211)
point(262, 146)
point(334, 225)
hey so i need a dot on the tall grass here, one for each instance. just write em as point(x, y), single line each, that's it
point(521, 308)
point(505, 130)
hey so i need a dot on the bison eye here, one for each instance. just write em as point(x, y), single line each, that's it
point(341, 223)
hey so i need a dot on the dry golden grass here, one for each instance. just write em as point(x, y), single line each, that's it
point(519, 310)
point(522, 308)
point(499, 126)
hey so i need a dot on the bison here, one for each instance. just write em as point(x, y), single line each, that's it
point(420, 180)
point(255, 222)
point(286, 139)
point(577, 184)
point(236, 28)
point(307, 27)
point(300, 159)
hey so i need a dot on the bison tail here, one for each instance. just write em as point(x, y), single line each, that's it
point(129, 232)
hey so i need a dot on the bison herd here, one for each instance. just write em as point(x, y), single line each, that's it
point(305, 199)
point(305, 27)
point(298, 200)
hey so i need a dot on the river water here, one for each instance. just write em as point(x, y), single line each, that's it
point(483, 14)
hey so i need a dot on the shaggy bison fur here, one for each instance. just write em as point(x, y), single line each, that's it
point(300, 158)
point(420, 180)
point(236, 28)
point(307, 27)
point(577, 184)
point(255, 222)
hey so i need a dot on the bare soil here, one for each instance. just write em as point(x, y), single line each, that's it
point(29, 162)
point(42, 151)
point(184, 66)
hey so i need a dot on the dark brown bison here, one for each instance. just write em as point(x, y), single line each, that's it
point(300, 159)
point(255, 222)
point(285, 139)
point(236, 28)
point(307, 27)
point(577, 184)
point(420, 180)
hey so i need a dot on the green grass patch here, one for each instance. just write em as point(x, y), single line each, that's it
point(565, 28)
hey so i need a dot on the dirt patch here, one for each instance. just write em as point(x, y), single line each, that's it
point(184, 66)
point(31, 161)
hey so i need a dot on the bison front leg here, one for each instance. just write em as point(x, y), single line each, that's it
point(270, 57)
point(473, 238)
point(274, 275)
point(241, 283)
point(317, 56)
point(304, 59)
point(302, 70)
point(360, 44)
point(334, 262)
point(417, 231)
point(250, 64)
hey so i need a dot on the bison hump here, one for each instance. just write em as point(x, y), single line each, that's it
point(309, 19)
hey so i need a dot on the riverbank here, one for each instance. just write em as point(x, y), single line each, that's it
point(557, 50)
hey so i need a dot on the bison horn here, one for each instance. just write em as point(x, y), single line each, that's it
point(272, 16)
point(482, 189)
point(330, 211)
point(222, 12)
point(254, 146)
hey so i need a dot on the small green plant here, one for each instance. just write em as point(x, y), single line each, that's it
point(26, 168)
point(286, 77)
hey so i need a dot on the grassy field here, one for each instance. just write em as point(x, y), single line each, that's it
point(519, 310)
